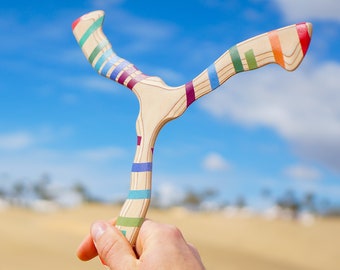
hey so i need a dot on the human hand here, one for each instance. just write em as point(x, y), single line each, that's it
point(158, 246)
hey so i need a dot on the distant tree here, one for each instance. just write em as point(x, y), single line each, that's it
point(41, 188)
point(240, 202)
point(81, 189)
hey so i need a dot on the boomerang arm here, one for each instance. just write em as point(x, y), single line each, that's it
point(98, 51)
point(286, 47)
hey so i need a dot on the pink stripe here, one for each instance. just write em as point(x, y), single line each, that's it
point(190, 92)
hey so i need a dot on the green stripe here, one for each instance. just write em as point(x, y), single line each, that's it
point(89, 31)
point(129, 221)
point(236, 59)
point(251, 60)
point(95, 52)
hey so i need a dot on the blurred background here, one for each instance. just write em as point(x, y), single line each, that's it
point(265, 144)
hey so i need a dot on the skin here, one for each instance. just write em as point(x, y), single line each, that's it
point(158, 246)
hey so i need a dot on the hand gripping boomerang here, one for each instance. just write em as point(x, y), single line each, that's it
point(160, 103)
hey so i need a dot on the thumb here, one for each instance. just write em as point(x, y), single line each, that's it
point(112, 247)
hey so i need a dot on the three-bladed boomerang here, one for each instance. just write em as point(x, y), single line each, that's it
point(160, 103)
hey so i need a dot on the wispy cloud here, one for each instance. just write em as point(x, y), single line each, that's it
point(302, 172)
point(302, 9)
point(15, 141)
point(302, 107)
point(215, 162)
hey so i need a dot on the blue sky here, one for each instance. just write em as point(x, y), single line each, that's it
point(265, 129)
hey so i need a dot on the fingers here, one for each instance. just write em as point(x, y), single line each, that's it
point(112, 247)
point(87, 250)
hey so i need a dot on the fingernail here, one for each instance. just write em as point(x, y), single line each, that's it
point(98, 229)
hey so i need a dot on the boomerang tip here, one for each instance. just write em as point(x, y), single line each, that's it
point(91, 15)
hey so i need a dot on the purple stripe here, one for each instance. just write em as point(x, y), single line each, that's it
point(190, 92)
point(142, 167)
point(118, 69)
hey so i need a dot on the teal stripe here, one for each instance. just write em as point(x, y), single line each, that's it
point(236, 59)
point(213, 77)
point(89, 31)
point(129, 221)
point(251, 60)
point(139, 194)
point(97, 50)
point(102, 59)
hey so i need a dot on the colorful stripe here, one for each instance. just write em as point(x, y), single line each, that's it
point(97, 50)
point(236, 59)
point(213, 77)
point(142, 167)
point(136, 80)
point(276, 48)
point(109, 65)
point(129, 221)
point(139, 194)
point(304, 37)
point(251, 60)
point(118, 69)
point(90, 30)
point(139, 140)
point(106, 55)
point(190, 93)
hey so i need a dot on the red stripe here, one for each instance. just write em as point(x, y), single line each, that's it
point(304, 37)
point(190, 92)
point(136, 80)
point(75, 23)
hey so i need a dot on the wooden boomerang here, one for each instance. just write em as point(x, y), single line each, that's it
point(160, 103)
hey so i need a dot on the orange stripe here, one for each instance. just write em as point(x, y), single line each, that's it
point(276, 47)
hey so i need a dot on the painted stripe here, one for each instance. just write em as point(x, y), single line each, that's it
point(129, 221)
point(139, 140)
point(136, 80)
point(236, 59)
point(276, 48)
point(118, 69)
point(123, 77)
point(109, 65)
point(75, 23)
point(142, 167)
point(97, 50)
point(102, 59)
point(190, 93)
point(251, 60)
point(213, 77)
point(139, 194)
point(304, 37)
point(90, 30)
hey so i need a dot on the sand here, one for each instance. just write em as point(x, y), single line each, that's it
point(32, 240)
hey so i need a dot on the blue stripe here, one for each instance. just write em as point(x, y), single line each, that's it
point(139, 194)
point(142, 167)
point(118, 69)
point(102, 59)
point(109, 64)
point(214, 82)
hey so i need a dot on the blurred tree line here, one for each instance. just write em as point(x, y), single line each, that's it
point(21, 193)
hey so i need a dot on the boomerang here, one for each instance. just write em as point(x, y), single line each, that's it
point(160, 103)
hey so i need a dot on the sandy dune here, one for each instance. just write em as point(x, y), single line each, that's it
point(37, 241)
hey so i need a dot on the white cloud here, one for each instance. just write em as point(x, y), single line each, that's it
point(15, 141)
point(302, 107)
point(215, 162)
point(306, 9)
point(302, 172)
